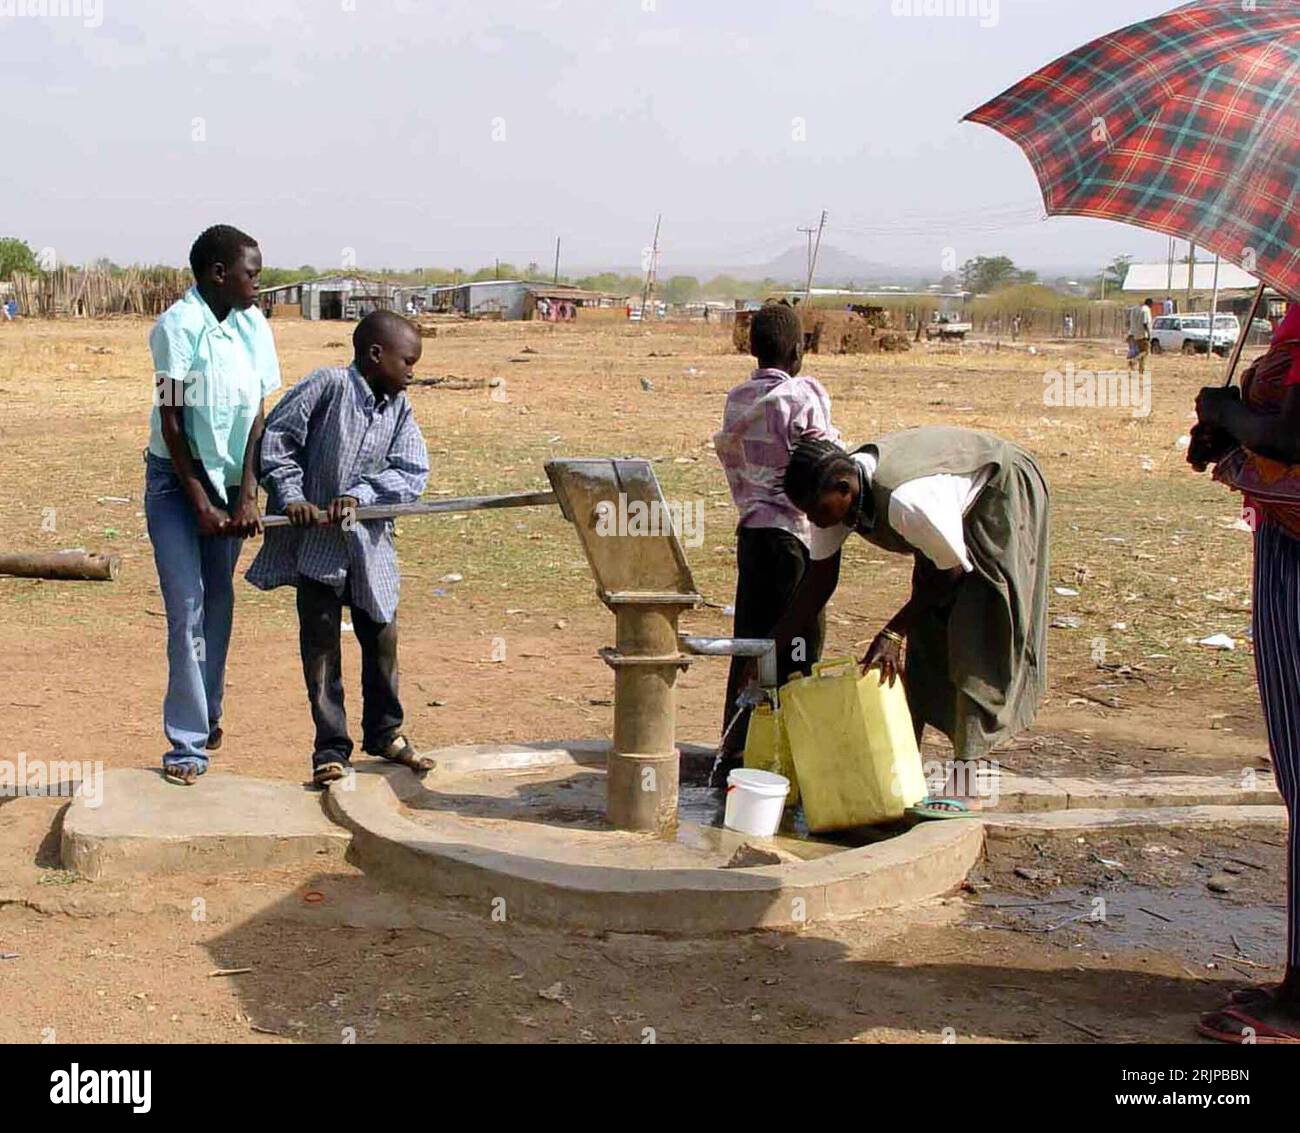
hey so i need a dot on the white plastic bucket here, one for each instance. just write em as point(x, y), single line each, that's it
point(755, 801)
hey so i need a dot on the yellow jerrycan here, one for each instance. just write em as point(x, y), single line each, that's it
point(852, 744)
point(767, 749)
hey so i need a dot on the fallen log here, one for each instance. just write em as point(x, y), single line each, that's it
point(76, 566)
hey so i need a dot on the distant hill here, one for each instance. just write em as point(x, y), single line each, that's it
point(834, 267)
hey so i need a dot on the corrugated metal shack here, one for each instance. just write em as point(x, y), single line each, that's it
point(510, 299)
point(331, 297)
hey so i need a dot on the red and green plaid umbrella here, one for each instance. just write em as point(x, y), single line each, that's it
point(1188, 123)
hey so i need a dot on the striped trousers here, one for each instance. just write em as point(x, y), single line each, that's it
point(1276, 619)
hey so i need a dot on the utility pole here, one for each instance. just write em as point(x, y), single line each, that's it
point(1191, 274)
point(556, 278)
point(812, 263)
point(648, 290)
point(1169, 286)
point(498, 268)
point(1214, 310)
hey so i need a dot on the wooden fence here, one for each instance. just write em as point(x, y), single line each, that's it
point(1088, 319)
point(70, 292)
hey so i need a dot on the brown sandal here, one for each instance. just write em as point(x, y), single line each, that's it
point(184, 772)
point(330, 772)
point(401, 751)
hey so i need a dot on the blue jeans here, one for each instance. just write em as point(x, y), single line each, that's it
point(196, 574)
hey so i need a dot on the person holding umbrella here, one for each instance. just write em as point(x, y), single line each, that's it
point(1188, 124)
point(1253, 438)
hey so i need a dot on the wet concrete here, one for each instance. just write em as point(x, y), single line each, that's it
point(567, 801)
point(570, 798)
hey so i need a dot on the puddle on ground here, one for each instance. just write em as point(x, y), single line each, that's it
point(1190, 922)
point(573, 799)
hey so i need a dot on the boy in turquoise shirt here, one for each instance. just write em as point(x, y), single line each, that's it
point(214, 362)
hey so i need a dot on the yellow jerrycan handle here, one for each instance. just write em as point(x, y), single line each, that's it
point(821, 668)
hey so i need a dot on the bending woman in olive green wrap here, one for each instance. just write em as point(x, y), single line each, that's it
point(972, 510)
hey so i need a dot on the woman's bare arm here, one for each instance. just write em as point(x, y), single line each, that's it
point(930, 587)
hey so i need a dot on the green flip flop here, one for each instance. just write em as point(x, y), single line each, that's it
point(927, 808)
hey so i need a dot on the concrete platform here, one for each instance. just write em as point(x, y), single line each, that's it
point(1024, 793)
point(145, 825)
point(1080, 819)
point(517, 828)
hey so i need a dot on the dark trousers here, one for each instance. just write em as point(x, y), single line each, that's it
point(319, 613)
point(770, 564)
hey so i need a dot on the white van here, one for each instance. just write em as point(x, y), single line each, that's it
point(1191, 333)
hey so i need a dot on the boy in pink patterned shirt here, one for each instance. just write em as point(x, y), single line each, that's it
point(763, 419)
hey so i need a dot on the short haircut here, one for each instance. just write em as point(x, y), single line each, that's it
point(382, 327)
point(220, 244)
point(775, 332)
point(814, 465)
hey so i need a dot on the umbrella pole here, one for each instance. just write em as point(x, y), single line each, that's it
point(1241, 338)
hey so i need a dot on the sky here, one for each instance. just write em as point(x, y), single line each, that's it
point(397, 133)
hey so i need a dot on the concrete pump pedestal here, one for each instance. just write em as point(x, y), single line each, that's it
point(642, 773)
point(642, 576)
point(642, 790)
point(519, 831)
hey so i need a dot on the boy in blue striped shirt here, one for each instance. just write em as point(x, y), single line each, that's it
point(342, 439)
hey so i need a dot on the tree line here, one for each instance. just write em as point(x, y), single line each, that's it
point(982, 275)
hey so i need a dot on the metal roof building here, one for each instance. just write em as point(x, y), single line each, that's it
point(355, 296)
point(331, 297)
point(1153, 279)
point(501, 298)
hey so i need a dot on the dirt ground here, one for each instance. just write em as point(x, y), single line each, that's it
point(1151, 549)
